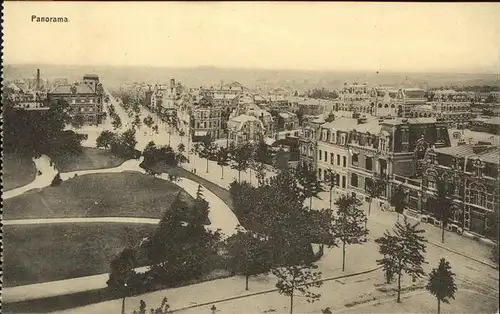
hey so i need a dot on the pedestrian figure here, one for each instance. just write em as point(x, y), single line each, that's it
point(194, 170)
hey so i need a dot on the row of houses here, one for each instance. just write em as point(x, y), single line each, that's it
point(410, 152)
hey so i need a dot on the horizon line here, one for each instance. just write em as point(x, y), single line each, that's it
point(442, 71)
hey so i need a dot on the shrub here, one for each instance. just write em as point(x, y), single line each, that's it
point(57, 180)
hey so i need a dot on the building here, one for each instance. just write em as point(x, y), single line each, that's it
point(472, 171)
point(206, 120)
point(308, 142)
point(383, 102)
point(85, 98)
point(408, 99)
point(487, 125)
point(245, 128)
point(352, 97)
point(453, 106)
point(312, 107)
point(332, 150)
point(287, 121)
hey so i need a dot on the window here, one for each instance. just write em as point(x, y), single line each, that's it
point(354, 180)
point(369, 163)
point(355, 161)
point(383, 145)
point(431, 183)
point(342, 139)
point(337, 179)
point(333, 138)
point(332, 158)
point(338, 160)
point(320, 154)
point(343, 182)
point(326, 156)
point(319, 173)
point(344, 161)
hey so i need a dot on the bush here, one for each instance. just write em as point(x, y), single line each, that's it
point(57, 180)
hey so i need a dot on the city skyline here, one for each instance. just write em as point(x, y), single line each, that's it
point(456, 38)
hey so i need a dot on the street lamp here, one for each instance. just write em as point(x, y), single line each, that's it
point(124, 295)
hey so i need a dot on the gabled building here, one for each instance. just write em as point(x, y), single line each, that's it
point(245, 128)
point(471, 172)
point(84, 98)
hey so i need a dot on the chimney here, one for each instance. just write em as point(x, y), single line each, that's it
point(37, 79)
point(172, 83)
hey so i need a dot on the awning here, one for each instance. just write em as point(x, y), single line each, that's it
point(200, 133)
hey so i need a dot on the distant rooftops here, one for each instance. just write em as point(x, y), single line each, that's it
point(80, 88)
point(488, 154)
point(91, 76)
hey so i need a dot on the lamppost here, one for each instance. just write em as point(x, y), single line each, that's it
point(124, 295)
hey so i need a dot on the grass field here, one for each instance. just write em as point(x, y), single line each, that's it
point(90, 158)
point(17, 171)
point(125, 194)
point(31, 255)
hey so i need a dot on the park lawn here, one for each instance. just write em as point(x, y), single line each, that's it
point(17, 171)
point(125, 194)
point(90, 158)
point(85, 249)
point(465, 302)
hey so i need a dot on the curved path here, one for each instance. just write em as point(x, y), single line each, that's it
point(220, 215)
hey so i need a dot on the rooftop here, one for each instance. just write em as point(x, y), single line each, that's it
point(81, 88)
point(341, 124)
point(489, 155)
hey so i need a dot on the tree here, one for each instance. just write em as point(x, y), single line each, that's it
point(402, 252)
point(311, 187)
point(331, 182)
point(163, 309)
point(196, 149)
point(261, 152)
point(301, 278)
point(281, 160)
point(222, 159)
point(260, 172)
point(122, 269)
point(208, 151)
point(117, 122)
point(137, 121)
point(241, 159)
point(375, 187)
point(78, 121)
point(128, 139)
point(248, 254)
point(398, 199)
point(148, 121)
point(348, 224)
point(105, 139)
point(442, 203)
point(442, 283)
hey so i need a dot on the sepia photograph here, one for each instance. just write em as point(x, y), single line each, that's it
point(223, 157)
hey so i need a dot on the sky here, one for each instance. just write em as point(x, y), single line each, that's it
point(415, 37)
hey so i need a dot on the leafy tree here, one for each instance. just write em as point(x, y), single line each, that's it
point(137, 121)
point(260, 172)
point(196, 149)
point(148, 121)
point(311, 186)
point(248, 254)
point(222, 159)
point(398, 199)
point(348, 224)
point(178, 251)
point(281, 160)
point(375, 187)
point(117, 122)
point(442, 283)
point(330, 181)
point(241, 159)
point(181, 148)
point(105, 139)
point(57, 180)
point(261, 152)
point(442, 203)
point(208, 151)
point(128, 139)
point(122, 269)
point(77, 121)
point(402, 252)
point(298, 278)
